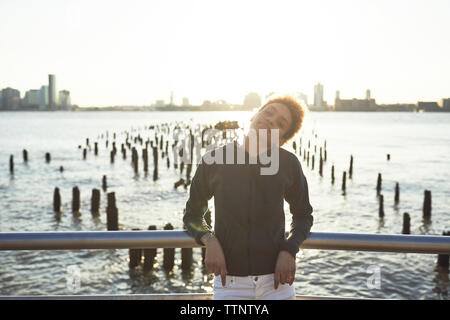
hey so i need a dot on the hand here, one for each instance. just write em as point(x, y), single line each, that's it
point(285, 269)
point(214, 257)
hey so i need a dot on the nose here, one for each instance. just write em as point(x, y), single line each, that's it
point(270, 120)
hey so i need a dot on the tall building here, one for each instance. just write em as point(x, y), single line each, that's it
point(51, 92)
point(185, 101)
point(64, 99)
point(43, 98)
point(446, 104)
point(318, 95)
point(367, 94)
point(10, 99)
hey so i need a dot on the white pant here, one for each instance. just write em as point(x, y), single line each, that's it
point(252, 288)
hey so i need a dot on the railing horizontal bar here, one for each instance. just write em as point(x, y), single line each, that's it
point(180, 239)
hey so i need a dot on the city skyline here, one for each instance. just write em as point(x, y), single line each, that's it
point(134, 53)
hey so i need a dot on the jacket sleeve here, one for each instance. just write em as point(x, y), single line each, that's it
point(297, 196)
point(197, 204)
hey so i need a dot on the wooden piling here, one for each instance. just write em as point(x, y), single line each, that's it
point(112, 155)
point(379, 183)
point(397, 193)
point(135, 160)
point(76, 200)
point(104, 185)
point(388, 157)
point(56, 201)
point(47, 157)
point(168, 253)
point(332, 174)
point(179, 183)
point(186, 257)
point(312, 162)
point(381, 207)
point(95, 202)
point(11, 164)
point(321, 165)
point(427, 205)
point(350, 171)
point(149, 255)
point(145, 158)
point(155, 163)
point(307, 159)
point(406, 223)
point(135, 256)
point(443, 259)
point(25, 155)
point(84, 153)
point(112, 213)
point(96, 148)
point(344, 175)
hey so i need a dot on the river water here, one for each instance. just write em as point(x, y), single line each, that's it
point(418, 144)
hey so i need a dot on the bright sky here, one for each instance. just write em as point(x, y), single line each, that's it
point(134, 52)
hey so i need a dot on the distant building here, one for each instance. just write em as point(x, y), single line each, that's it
point(185, 102)
point(51, 92)
point(302, 97)
point(64, 100)
point(446, 104)
point(43, 98)
point(428, 106)
point(159, 103)
point(318, 95)
point(31, 99)
point(367, 104)
point(397, 107)
point(10, 99)
point(252, 100)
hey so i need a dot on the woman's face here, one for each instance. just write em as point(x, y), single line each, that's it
point(272, 116)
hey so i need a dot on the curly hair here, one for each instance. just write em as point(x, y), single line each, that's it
point(297, 113)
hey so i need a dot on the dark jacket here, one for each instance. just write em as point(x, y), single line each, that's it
point(249, 215)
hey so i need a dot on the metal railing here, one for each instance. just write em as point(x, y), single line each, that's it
point(180, 239)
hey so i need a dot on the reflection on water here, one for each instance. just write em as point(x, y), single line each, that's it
point(26, 201)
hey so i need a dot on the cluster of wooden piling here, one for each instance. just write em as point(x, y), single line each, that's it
point(112, 213)
point(136, 255)
point(146, 257)
point(406, 228)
